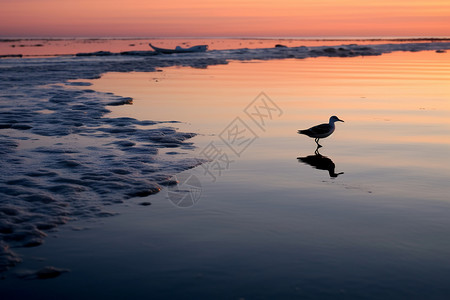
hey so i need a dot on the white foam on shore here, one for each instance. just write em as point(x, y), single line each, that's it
point(62, 157)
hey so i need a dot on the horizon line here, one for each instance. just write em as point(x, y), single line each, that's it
point(318, 38)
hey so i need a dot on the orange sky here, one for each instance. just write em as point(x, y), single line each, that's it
point(238, 18)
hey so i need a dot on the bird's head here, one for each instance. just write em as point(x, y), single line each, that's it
point(335, 119)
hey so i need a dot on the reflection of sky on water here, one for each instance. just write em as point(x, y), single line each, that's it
point(395, 107)
point(270, 227)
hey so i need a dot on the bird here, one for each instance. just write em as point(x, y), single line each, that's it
point(321, 131)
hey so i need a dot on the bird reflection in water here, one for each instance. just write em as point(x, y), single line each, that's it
point(320, 162)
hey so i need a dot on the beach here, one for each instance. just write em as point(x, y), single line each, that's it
point(174, 175)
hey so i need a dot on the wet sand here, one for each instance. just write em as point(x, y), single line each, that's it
point(270, 225)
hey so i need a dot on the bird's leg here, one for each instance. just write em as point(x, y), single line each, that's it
point(317, 142)
point(317, 151)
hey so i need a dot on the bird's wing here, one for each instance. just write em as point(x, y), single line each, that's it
point(320, 129)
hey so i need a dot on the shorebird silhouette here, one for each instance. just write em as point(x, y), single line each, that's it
point(321, 131)
point(320, 162)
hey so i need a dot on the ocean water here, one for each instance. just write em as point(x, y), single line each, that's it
point(267, 216)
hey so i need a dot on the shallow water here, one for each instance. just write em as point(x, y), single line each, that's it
point(266, 225)
point(396, 109)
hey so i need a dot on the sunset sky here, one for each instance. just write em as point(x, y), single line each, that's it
point(236, 18)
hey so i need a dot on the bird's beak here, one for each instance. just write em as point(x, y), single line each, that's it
point(341, 120)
